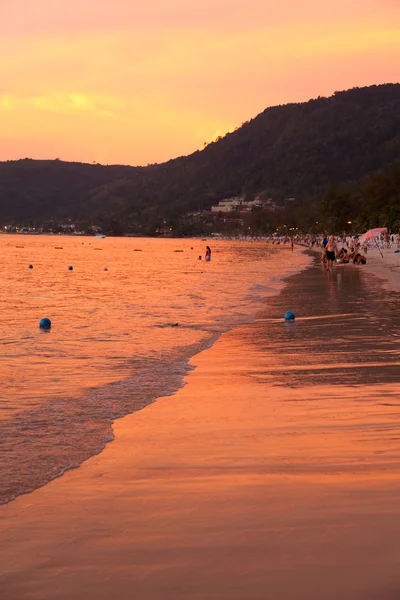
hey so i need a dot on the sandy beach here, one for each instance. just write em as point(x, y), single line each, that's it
point(385, 266)
point(273, 474)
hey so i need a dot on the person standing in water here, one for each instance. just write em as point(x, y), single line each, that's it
point(330, 251)
point(208, 253)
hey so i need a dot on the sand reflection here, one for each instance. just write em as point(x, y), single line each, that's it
point(273, 474)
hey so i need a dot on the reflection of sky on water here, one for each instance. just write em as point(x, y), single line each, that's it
point(346, 331)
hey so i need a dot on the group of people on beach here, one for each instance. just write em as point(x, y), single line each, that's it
point(331, 253)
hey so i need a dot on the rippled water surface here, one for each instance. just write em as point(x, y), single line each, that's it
point(125, 321)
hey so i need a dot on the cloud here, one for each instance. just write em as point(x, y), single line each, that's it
point(77, 103)
point(64, 104)
point(143, 83)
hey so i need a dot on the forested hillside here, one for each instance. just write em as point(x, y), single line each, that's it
point(306, 151)
point(372, 202)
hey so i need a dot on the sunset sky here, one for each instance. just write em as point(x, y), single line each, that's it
point(134, 82)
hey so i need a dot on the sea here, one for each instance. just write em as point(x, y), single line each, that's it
point(126, 319)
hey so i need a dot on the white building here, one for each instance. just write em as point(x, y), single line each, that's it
point(229, 205)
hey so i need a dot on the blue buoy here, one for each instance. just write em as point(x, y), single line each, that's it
point(30, 267)
point(289, 316)
point(70, 268)
point(45, 323)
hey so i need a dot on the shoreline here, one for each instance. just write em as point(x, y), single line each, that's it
point(180, 368)
point(275, 467)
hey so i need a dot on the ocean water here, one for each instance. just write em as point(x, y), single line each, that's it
point(125, 322)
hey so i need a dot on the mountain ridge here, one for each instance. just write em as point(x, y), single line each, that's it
point(294, 150)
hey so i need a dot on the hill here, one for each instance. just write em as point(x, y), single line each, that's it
point(296, 150)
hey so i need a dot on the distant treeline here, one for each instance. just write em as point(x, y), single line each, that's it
point(350, 207)
point(338, 157)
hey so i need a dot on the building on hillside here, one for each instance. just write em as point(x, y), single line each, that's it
point(228, 205)
point(239, 204)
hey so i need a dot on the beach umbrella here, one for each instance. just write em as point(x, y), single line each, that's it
point(372, 234)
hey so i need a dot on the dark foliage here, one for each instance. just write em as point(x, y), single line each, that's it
point(373, 202)
point(313, 151)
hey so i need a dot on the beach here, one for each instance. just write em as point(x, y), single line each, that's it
point(125, 322)
point(272, 474)
point(385, 264)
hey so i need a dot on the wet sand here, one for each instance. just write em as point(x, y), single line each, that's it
point(274, 474)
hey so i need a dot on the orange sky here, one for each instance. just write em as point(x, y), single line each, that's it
point(120, 82)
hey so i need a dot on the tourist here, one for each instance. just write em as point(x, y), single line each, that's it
point(330, 251)
point(343, 256)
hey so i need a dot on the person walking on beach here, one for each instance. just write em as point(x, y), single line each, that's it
point(208, 253)
point(330, 250)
